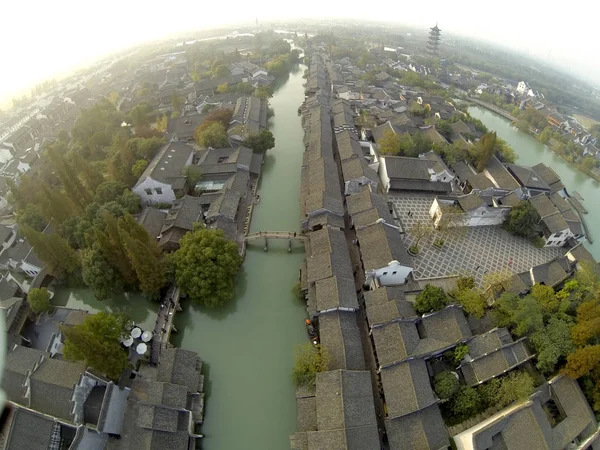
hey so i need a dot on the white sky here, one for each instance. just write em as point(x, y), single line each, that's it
point(42, 39)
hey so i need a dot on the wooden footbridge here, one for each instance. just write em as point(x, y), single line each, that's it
point(266, 235)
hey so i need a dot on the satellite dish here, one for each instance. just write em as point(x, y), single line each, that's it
point(136, 333)
point(128, 342)
point(146, 336)
point(141, 348)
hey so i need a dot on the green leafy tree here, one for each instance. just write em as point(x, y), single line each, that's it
point(483, 151)
point(583, 361)
point(546, 297)
point(465, 402)
point(504, 308)
point(206, 265)
point(587, 328)
point(390, 144)
point(464, 283)
point(472, 301)
point(260, 142)
point(445, 384)
point(39, 300)
point(60, 258)
point(148, 267)
point(75, 230)
point(528, 317)
point(98, 275)
point(138, 168)
point(515, 386)
point(96, 343)
point(193, 174)
point(109, 191)
point(552, 344)
point(309, 360)
point(522, 220)
point(220, 71)
point(459, 353)
point(32, 216)
point(214, 136)
point(263, 92)
point(545, 136)
point(444, 128)
point(91, 177)
point(129, 201)
point(430, 299)
point(222, 88)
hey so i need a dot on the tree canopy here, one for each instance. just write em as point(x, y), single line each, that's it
point(96, 342)
point(309, 360)
point(260, 142)
point(39, 300)
point(522, 220)
point(430, 299)
point(206, 265)
point(215, 135)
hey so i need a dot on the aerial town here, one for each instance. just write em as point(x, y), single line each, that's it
point(352, 228)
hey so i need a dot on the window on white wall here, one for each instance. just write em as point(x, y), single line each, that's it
point(149, 191)
point(159, 191)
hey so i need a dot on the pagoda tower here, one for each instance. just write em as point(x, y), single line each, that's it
point(433, 42)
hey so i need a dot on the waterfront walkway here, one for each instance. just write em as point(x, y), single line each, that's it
point(494, 108)
point(164, 322)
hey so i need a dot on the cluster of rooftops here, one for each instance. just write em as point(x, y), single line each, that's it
point(380, 369)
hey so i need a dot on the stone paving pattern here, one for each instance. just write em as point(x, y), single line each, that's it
point(471, 251)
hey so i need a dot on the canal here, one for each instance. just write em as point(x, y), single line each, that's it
point(532, 152)
point(248, 347)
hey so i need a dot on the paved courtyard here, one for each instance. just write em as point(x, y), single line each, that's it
point(470, 251)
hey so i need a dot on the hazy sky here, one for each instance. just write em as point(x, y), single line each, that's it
point(43, 39)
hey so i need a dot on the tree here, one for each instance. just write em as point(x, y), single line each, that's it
point(31, 216)
point(492, 283)
point(60, 258)
point(110, 244)
point(220, 71)
point(459, 353)
point(75, 230)
point(222, 88)
point(522, 220)
point(465, 402)
point(430, 299)
point(444, 128)
point(222, 115)
point(545, 136)
point(464, 283)
point(517, 385)
point(390, 144)
point(552, 344)
point(193, 174)
point(138, 168)
point(260, 142)
point(63, 135)
point(109, 191)
point(96, 342)
point(39, 300)
point(418, 231)
point(309, 360)
point(176, 102)
point(504, 308)
point(148, 268)
point(206, 265)
point(587, 326)
point(445, 384)
point(546, 297)
point(472, 302)
point(528, 317)
point(91, 177)
point(161, 123)
point(98, 275)
point(483, 151)
point(263, 92)
point(214, 136)
point(583, 361)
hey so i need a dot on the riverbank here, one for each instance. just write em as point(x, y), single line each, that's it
point(553, 144)
point(531, 152)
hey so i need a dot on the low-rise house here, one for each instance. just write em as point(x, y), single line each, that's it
point(557, 416)
point(163, 179)
point(469, 210)
point(413, 417)
point(249, 118)
point(500, 176)
point(182, 128)
point(385, 258)
point(327, 256)
point(184, 213)
point(340, 414)
point(551, 273)
point(339, 334)
point(557, 227)
point(412, 174)
point(492, 354)
point(152, 219)
point(531, 183)
point(549, 176)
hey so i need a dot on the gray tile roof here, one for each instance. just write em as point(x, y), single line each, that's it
point(381, 244)
point(528, 426)
point(345, 412)
point(543, 205)
point(339, 334)
point(251, 113)
point(460, 127)
point(492, 354)
point(470, 201)
point(5, 232)
point(52, 387)
point(168, 394)
point(179, 366)
point(357, 168)
point(386, 312)
point(383, 295)
point(328, 255)
point(551, 273)
point(549, 176)
point(421, 430)
point(29, 431)
point(510, 200)
point(406, 388)
point(226, 206)
point(480, 181)
point(365, 201)
point(334, 292)
point(555, 223)
point(184, 126)
point(155, 417)
point(527, 177)
point(348, 146)
point(152, 220)
point(184, 213)
point(406, 168)
point(501, 175)
point(168, 164)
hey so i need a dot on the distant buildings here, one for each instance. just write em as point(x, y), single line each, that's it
point(433, 42)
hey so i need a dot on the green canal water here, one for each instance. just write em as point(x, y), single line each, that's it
point(532, 152)
point(248, 347)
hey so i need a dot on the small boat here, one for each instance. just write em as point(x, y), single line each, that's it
point(312, 332)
